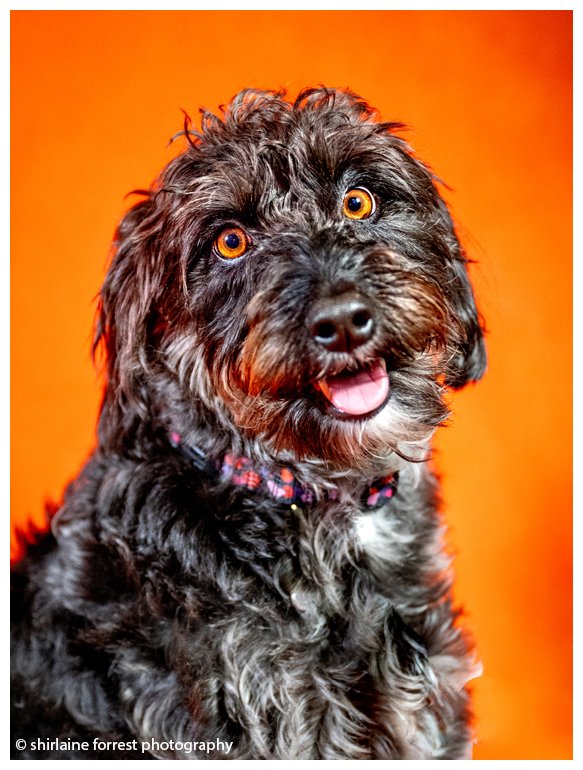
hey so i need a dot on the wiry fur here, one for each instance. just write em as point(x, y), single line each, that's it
point(168, 604)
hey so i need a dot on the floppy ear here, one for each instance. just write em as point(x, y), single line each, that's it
point(126, 314)
point(468, 361)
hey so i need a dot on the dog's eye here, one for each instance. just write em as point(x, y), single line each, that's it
point(232, 243)
point(358, 203)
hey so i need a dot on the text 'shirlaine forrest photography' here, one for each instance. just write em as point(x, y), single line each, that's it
point(300, 517)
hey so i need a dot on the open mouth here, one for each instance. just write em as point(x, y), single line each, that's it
point(357, 394)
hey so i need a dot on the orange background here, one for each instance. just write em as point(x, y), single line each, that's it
point(95, 98)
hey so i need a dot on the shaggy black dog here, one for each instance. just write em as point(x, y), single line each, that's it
point(250, 565)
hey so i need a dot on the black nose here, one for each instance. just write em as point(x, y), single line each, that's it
point(341, 323)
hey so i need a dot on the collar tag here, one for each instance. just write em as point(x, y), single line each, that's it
point(194, 453)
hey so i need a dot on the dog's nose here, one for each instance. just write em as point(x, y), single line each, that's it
point(341, 323)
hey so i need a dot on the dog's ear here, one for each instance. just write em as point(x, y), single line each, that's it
point(468, 359)
point(468, 363)
point(126, 304)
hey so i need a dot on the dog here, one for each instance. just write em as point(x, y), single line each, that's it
point(250, 565)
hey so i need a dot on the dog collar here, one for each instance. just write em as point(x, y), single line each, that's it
point(280, 484)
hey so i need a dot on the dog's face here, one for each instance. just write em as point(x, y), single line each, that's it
point(295, 279)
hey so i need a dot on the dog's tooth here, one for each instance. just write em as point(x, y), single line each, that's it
point(325, 388)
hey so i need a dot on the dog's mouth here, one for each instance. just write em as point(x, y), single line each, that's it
point(356, 394)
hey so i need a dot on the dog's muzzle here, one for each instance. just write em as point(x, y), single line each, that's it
point(341, 324)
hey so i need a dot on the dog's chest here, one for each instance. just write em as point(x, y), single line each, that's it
point(290, 663)
point(381, 537)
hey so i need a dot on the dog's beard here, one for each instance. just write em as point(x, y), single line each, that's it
point(297, 430)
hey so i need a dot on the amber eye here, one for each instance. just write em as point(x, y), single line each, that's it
point(358, 203)
point(232, 243)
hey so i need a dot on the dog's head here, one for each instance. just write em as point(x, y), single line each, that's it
point(293, 280)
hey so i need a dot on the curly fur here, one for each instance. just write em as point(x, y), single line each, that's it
point(168, 605)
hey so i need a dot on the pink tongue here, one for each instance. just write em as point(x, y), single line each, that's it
point(359, 393)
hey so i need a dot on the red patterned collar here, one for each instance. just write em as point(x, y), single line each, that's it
point(281, 483)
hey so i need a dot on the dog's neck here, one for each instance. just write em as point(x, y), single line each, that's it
point(278, 482)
